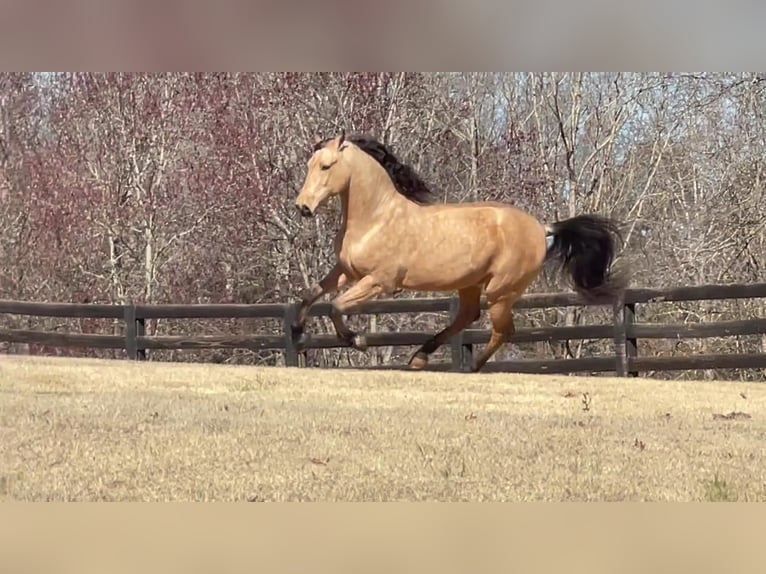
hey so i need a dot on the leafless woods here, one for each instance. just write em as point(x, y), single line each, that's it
point(179, 187)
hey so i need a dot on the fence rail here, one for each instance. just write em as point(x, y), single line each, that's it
point(623, 330)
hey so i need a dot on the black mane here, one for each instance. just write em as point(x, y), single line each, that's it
point(406, 180)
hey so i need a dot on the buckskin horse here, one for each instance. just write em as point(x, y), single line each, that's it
point(392, 238)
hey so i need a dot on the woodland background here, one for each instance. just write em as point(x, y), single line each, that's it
point(179, 188)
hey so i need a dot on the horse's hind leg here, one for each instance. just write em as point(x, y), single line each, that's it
point(468, 312)
point(501, 315)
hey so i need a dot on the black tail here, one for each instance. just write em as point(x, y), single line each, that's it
point(585, 246)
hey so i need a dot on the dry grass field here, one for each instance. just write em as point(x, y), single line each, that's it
point(111, 430)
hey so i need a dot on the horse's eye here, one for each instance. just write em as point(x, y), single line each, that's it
point(325, 167)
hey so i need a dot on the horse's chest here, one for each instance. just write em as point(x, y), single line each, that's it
point(355, 260)
point(369, 250)
point(359, 258)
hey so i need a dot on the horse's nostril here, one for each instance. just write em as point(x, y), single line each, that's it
point(305, 211)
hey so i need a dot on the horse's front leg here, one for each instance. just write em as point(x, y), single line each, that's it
point(332, 282)
point(367, 288)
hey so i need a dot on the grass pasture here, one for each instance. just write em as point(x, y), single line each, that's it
point(112, 430)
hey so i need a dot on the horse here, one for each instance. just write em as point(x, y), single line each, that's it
point(394, 237)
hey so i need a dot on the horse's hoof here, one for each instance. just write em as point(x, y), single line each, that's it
point(418, 361)
point(359, 342)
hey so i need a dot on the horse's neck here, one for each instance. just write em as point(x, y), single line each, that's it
point(371, 199)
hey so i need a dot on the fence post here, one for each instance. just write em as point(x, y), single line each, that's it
point(625, 348)
point(140, 332)
point(293, 358)
point(134, 328)
point(631, 343)
point(462, 354)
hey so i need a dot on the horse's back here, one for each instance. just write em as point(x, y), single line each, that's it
point(502, 234)
point(488, 206)
point(506, 216)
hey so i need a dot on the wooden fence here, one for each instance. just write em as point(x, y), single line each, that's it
point(623, 330)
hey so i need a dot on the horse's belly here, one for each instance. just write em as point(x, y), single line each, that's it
point(446, 270)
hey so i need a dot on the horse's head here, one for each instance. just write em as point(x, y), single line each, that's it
point(328, 175)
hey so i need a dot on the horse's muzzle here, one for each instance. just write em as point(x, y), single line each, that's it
point(304, 210)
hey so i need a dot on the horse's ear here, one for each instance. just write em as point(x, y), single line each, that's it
point(342, 137)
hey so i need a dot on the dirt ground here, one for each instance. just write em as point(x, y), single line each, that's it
point(91, 430)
